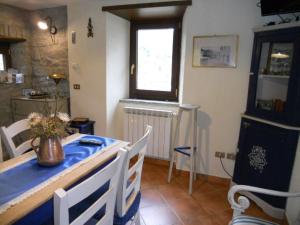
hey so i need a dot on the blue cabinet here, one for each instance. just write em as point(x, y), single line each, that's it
point(265, 158)
point(269, 129)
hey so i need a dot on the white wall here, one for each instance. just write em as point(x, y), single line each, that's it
point(87, 63)
point(221, 92)
point(117, 67)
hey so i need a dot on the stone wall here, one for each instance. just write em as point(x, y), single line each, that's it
point(21, 59)
point(37, 57)
point(47, 56)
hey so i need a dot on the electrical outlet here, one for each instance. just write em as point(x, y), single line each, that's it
point(220, 154)
point(76, 86)
point(231, 156)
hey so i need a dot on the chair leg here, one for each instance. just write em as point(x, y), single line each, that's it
point(191, 175)
point(171, 166)
point(137, 219)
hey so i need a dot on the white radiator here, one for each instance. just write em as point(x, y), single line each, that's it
point(135, 122)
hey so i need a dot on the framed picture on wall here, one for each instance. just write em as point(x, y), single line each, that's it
point(215, 51)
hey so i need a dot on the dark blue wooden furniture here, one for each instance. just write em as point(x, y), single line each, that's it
point(84, 128)
point(269, 129)
point(265, 158)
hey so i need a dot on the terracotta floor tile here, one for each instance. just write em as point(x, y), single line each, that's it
point(202, 186)
point(160, 215)
point(151, 197)
point(224, 217)
point(172, 191)
point(212, 201)
point(170, 204)
point(147, 184)
point(188, 209)
point(211, 220)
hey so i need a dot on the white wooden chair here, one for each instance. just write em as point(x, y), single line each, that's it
point(7, 134)
point(63, 200)
point(1, 151)
point(243, 203)
point(128, 196)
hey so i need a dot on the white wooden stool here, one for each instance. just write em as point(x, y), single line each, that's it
point(190, 150)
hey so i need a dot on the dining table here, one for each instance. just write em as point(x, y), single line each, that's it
point(27, 189)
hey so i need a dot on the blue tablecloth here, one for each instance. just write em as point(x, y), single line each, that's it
point(23, 177)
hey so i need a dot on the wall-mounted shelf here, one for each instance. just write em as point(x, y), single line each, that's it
point(155, 10)
point(11, 39)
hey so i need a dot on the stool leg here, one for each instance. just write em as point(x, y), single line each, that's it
point(191, 173)
point(171, 166)
point(195, 133)
point(175, 142)
point(195, 168)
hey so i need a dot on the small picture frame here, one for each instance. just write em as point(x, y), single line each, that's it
point(215, 51)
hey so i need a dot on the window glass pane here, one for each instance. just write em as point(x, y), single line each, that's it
point(2, 62)
point(154, 59)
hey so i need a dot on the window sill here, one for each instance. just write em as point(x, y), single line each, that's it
point(149, 102)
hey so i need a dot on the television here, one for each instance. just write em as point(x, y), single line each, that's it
point(273, 7)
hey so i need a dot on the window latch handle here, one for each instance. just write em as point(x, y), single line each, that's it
point(132, 69)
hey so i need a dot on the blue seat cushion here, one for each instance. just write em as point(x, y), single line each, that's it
point(249, 220)
point(130, 213)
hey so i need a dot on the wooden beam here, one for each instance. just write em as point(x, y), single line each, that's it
point(155, 10)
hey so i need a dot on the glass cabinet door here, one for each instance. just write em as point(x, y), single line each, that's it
point(273, 75)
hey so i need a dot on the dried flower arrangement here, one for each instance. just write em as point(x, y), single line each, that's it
point(48, 126)
point(49, 129)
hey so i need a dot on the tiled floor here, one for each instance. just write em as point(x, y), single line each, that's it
point(170, 204)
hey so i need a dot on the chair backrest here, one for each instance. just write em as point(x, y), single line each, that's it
point(7, 134)
point(63, 200)
point(1, 151)
point(130, 179)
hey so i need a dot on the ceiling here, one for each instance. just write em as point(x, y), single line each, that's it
point(35, 4)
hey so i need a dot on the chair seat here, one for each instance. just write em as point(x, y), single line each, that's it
point(130, 213)
point(249, 220)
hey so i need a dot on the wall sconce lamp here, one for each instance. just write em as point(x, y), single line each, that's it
point(47, 24)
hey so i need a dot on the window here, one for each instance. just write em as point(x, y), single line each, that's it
point(5, 61)
point(2, 62)
point(155, 59)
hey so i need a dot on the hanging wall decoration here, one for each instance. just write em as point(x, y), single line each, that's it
point(90, 29)
point(215, 51)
